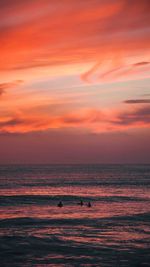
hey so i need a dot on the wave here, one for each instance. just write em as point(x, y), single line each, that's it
point(20, 246)
point(29, 221)
point(53, 251)
point(34, 251)
point(76, 182)
point(51, 199)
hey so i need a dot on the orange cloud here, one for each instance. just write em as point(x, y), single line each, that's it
point(68, 32)
point(86, 76)
point(112, 36)
point(91, 120)
point(5, 86)
point(130, 71)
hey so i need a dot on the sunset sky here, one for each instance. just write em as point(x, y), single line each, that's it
point(75, 81)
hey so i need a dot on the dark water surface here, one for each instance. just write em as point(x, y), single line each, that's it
point(115, 231)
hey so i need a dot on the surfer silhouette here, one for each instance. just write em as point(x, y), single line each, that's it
point(89, 205)
point(81, 203)
point(60, 204)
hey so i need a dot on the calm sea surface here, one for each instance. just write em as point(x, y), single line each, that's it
point(115, 231)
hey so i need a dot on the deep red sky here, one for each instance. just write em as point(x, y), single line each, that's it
point(74, 81)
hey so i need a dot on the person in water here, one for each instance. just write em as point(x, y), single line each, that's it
point(89, 204)
point(81, 203)
point(60, 204)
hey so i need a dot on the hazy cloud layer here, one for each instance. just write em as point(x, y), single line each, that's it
point(84, 66)
point(91, 120)
point(53, 33)
point(5, 86)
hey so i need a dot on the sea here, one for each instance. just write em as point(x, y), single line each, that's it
point(114, 231)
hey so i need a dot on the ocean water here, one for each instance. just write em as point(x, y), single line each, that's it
point(115, 231)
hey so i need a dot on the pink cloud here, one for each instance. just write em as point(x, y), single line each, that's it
point(97, 121)
point(72, 32)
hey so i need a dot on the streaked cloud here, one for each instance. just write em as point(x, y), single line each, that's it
point(137, 101)
point(139, 116)
point(91, 120)
point(8, 85)
point(81, 66)
point(141, 64)
point(102, 31)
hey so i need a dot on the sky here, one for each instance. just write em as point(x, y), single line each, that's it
point(74, 81)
